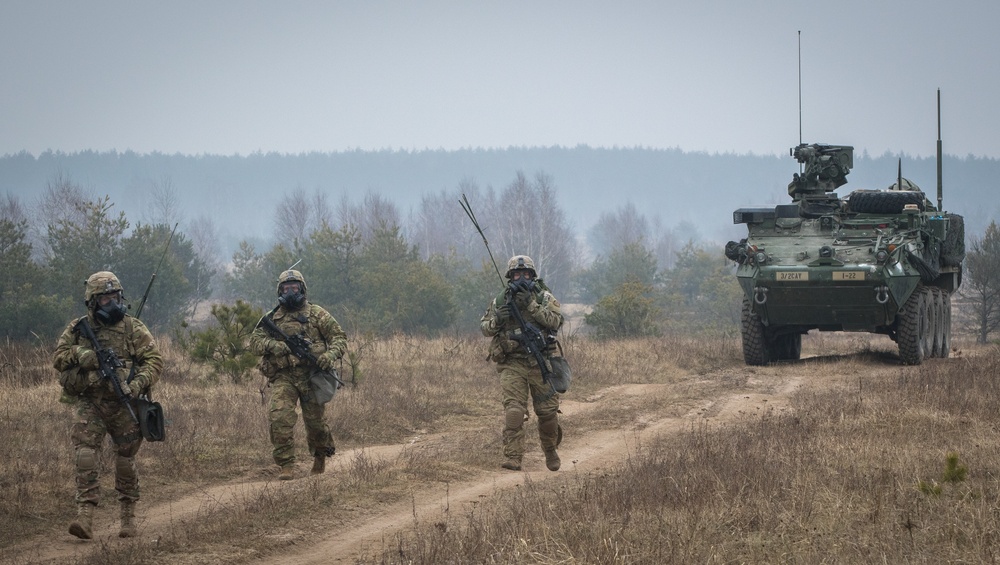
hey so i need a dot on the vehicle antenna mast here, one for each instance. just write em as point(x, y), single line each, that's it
point(939, 155)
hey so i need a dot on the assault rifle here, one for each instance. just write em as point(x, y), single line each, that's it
point(298, 344)
point(108, 363)
point(530, 337)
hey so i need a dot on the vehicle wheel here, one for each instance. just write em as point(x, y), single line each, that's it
point(953, 246)
point(881, 202)
point(755, 347)
point(945, 324)
point(912, 329)
point(933, 347)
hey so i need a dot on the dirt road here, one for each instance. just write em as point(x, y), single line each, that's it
point(750, 391)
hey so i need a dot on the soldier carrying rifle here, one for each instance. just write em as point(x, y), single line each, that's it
point(298, 342)
point(95, 356)
point(521, 320)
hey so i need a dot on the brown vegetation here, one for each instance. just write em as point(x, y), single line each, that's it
point(860, 462)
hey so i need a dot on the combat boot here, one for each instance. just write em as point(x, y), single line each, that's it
point(82, 526)
point(287, 472)
point(552, 460)
point(512, 463)
point(128, 519)
point(319, 465)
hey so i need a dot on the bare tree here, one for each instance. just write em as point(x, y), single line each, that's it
point(614, 230)
point(205, 241)
point(292, 220)
point(164, 204)
point(321, 214)
point(440, 226)
point(12, 210)
point(982, 282)
point(529, 220)
point(61, 203)
point(379, 213)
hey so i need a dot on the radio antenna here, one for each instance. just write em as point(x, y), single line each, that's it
point(800, 87)
point(939, 155)
point(464, 201)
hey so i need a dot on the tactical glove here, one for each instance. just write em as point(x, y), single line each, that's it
point(126, 388)
point(326, 361)
point(522, 299)
point(503, 313)
point(87, 359)
point(278, 348)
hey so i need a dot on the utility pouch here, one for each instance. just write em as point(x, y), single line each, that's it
point(323, 385)
point(561, 373)
point(73, 381)
point(151, 419)
point(267, 367)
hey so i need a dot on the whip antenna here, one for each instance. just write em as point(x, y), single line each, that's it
point(468, 211)
point(145, 295)
point(800, 87)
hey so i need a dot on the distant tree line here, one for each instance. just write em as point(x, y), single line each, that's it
point(377, 271)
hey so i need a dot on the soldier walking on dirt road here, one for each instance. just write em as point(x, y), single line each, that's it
point(290, 373)
point(520, 376)
point(96, 380)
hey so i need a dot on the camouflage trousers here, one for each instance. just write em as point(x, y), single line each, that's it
point(96, 418)
point(287, 389)
point(521, 380)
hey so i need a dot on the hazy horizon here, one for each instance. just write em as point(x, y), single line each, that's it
point(239, 78)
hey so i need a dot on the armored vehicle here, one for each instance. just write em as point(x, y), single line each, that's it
point(881, 261)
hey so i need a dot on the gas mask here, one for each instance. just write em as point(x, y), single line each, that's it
point(291, 296)
point(112, 311)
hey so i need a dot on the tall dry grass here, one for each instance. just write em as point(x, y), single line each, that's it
point(856, 474)
point(847, 475)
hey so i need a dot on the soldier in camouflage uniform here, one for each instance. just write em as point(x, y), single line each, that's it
point(288, 377)
point(98, 408)
point(520, 377)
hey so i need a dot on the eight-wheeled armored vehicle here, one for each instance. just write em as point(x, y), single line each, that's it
point(881, 261)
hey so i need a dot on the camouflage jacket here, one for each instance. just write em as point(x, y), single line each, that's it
point(540, 308)
point(129, 339)
point(312, 322)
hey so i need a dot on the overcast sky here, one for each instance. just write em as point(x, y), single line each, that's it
point(227, 77)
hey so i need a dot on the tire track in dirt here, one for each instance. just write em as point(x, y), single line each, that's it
point(591, 452)
point(586, 453)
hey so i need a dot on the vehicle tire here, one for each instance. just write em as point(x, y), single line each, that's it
point(937, 322)
point(953, 246)
point(912, 329)
point(755, 347)
point(882, 202)
point(945, 324)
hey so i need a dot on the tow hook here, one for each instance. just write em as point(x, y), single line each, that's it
point(760, 294)
point(881, 294)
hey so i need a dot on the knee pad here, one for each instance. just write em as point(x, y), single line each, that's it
point(86, 459)
point(124, 466)
point(548, 424)
point(514, 417)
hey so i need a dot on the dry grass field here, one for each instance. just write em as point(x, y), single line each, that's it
point(675, 452)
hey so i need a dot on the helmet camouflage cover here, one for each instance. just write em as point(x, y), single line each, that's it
point(291, 275)
point(101, 282)
point(520, 262)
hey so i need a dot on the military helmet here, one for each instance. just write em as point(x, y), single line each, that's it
point(291, 275)
point(101, 282)
point(520, 262)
